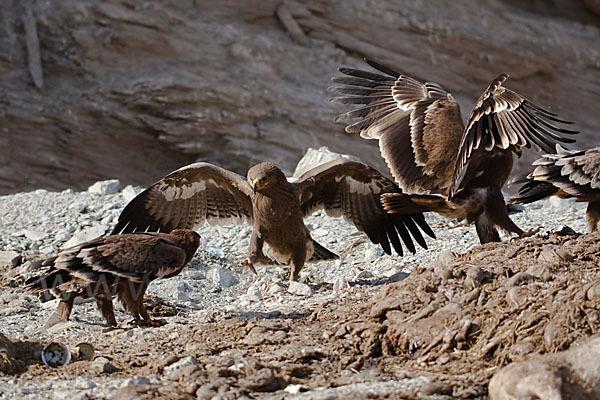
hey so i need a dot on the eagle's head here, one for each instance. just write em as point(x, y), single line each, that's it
point(264, 176)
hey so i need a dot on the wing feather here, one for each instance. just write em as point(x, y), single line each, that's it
point(502, 118)
point(352, 190)
point(186, 198)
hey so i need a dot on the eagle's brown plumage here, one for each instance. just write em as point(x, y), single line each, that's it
point(452, 169)
point(275, 207)
point(118, 264)
point(567, 174)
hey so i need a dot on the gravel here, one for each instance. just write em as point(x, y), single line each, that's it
point(40, 222)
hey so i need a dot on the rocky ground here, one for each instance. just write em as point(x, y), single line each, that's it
point(360, 327)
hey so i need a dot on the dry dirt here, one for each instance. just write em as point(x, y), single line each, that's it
point(449, 325)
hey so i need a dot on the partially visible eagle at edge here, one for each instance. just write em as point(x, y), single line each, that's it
point(567, 174)
point(117, 264)
point(276, 208)
point(446, 167)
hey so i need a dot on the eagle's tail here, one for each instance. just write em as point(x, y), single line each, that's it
point(533, 191)
point(321, 253)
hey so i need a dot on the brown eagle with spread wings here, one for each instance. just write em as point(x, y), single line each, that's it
point(455, 170)
point(118, 264)
point(567, 174)
point(276, 208)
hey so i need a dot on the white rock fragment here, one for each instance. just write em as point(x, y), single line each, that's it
point(315, 157)
point(129, 192)
point(110, 186)
point(364, 275)
point(10, 257)
point(173, 371)
point(373, 253)
point(300, 289)
point(78, 206)
point(295, 388)
point(276, 288)
point(34, 235)
point(340, 284)
point(86, 234)
point(84, 383)
point(135, 381)
point(214, 252)
point(222, 277)
point(320, 232)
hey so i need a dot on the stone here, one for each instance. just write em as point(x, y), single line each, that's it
point(102, 365)
point(364, 275)
point(315, 157)
point(85, 235)
point(567, 375)
point(398, 276)
point(173, 371)
point(222, 277)
point(129, 193)
point(10, 257)
point(340, 284)
point(78, 206)
point(300, 289)
point(110, 186)
point(373, 253)
point(135, 381)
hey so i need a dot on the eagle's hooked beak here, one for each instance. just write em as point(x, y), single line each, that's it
point(255, 186)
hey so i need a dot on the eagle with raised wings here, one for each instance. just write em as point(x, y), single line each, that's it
point(276, 208)
point(445, 166)
point(117, 264)
point(566, 174)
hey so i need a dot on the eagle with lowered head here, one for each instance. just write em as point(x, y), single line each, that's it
point(117, 264)
point(448, 167)
point(276, 208)
point(566, 174)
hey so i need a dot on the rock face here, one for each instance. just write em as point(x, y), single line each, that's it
point(91, 89)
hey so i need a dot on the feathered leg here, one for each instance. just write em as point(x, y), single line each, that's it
point(104, 302)
point(131, 294)
point(65, 306)
point(593, 215)
point(298, 258)
point(486, 232)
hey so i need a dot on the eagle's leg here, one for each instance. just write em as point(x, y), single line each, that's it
point(132, 296)
point(255, 253)
point(486, 232)
point(593, 215)
point(497, 214)
point(65, 306)
point(104, 303)
point(298, 259)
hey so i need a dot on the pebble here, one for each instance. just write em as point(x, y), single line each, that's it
point(222, 277)
point(340, 284)
point(86, 234)
point(102, 365)
point(135, 381)
point(173, 371)
point(78, 206)
point(300, 289)
point(373, 253)
point(10, 257)
point(129, 193)
point(111, 186)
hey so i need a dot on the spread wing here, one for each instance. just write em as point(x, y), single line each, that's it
point(353, 189)
point(570, 173)
point(418, 125)
point(503, 118)
point(186, 198)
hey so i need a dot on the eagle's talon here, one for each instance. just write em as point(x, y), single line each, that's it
point(528, 233)
point(247, 265)
point(147, 322)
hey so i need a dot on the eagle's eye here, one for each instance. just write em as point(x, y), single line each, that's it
point(263, 179)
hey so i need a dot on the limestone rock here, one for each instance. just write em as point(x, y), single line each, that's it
point(127, 100)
